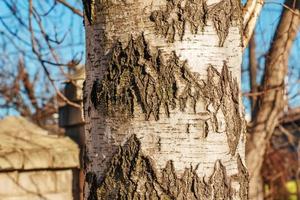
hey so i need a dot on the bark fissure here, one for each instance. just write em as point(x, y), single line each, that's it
point(193, 14)
point(171, 22)
point(243, 179)
point(89, 10)
point(137, 74)
point(133, 176)
point(223, 15)
point(140, 75)
point(223, 93)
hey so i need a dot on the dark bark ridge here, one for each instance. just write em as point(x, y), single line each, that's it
point(89, 10)
point(178, 14)
point(243, 178)
point(132, 176)
point(137, 75)
point(171, 21)
point(222, 92)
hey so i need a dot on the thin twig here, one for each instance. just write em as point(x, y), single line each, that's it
point(285, 6)
point(74, 10)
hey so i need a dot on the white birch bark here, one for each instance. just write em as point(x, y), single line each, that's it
point(207, 134)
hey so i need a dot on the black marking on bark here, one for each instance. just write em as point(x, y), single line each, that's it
point(131, 175)
point(91, 179)
point(159, 143)
point(193, 14)
point(188, 128)
point(94, 93)
point(88, 6)
point(206, 129)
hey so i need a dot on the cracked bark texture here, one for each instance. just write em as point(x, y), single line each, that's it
point(164, 117)
point(272, 103)
point(132, 176)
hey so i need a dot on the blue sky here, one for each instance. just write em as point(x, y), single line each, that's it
point(59, 24)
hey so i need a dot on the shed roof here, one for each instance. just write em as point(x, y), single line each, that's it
point(25, 146)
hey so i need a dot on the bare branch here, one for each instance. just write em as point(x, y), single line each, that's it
point(250, 14)
point(253, 73)
point(34, 43)
point(272, 103)
point(74, 10)
point(285, 6)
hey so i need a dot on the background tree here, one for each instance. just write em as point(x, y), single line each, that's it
point(270, 99)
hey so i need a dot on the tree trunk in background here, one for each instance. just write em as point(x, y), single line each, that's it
point(253, 65)
point(272, 102)
point(163, 110)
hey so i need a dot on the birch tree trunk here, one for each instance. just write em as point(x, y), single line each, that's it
point(163, 110)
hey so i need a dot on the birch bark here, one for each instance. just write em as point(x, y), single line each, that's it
point(163, 110)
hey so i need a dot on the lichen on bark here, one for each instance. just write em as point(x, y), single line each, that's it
point(178, 15)
point(132, 175)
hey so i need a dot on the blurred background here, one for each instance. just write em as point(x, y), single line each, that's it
point(42, 56)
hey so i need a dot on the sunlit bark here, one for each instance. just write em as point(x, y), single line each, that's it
point(164, 116)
